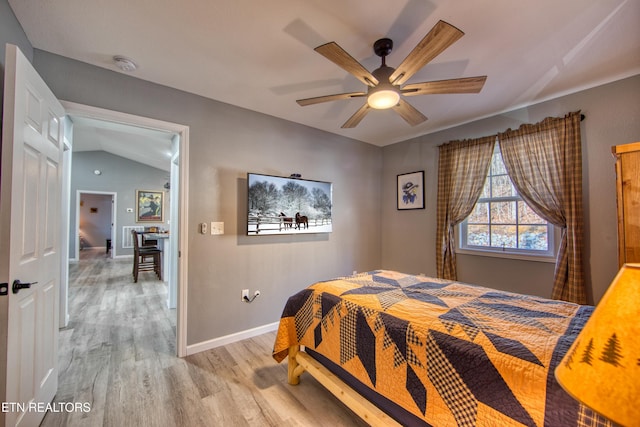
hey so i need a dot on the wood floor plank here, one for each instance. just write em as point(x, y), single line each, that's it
point(118, 354)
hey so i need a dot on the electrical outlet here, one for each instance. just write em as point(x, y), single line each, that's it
point(245, 294)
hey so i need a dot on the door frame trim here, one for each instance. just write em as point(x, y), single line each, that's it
point(82, 110)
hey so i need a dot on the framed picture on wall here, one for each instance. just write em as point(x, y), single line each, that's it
point(149, 206)
point(411, 190)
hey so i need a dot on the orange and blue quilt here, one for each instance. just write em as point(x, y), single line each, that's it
point(450, 354)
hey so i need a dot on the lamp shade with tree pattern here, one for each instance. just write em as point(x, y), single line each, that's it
point(602, 367)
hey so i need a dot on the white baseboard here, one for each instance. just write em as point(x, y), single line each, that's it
point(228, 339)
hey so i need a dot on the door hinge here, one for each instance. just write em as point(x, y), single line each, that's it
point(4, 289)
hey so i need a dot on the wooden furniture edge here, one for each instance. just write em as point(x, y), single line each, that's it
point(294, 370)
point(625, 148)
point(618, 151)
point(299, 362)
point(620, 211)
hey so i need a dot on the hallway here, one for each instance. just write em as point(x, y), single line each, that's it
point(119, 335)
point(118, 354)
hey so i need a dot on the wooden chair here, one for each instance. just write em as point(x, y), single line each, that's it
point(145, 258)
point(149, 242)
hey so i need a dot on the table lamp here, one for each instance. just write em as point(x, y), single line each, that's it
point(602, 367)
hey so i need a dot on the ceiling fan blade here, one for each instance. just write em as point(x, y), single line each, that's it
point(327, 98)
point(462, 85)
point(342, 59)
point(409, 113)
point(441, 36)
point(357, 117)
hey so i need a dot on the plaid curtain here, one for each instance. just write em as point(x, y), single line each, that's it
point(544, 162)
point(462, 170)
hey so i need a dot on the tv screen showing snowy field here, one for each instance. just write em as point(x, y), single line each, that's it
point(279, 205)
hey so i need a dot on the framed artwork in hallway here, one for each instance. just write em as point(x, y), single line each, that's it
point(149, 206)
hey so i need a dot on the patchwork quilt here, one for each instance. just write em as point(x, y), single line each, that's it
point(448, 353)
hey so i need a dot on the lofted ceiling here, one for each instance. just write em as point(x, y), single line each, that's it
point(259, 55)
point(143, 145)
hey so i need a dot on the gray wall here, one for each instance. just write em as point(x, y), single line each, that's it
point(119, 175)
point(225, 143)
point(11, 32)
point(408, 237)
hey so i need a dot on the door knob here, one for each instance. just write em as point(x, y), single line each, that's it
point(17, 285)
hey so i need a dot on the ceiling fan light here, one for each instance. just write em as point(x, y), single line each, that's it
point(383, 98)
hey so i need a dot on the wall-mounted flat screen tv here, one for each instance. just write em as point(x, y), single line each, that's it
point(280, 205)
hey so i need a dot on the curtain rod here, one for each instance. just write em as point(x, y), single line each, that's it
point(582, 117)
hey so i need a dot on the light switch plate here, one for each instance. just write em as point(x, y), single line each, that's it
point(217, 228)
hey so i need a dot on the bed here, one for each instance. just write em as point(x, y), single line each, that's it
point(414, 350)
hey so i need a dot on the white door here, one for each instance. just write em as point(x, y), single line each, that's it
point(30, 241)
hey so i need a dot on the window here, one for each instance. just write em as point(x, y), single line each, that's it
point(502, 224)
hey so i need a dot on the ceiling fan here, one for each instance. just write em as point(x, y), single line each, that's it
point(386, 85)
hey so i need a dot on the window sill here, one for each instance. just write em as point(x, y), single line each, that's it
point(507, 255)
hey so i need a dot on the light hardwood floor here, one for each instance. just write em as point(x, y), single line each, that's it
point(118, 354)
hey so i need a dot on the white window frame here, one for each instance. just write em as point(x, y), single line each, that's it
point(553, 239)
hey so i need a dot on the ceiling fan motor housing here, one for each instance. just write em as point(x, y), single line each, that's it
point(383, 73)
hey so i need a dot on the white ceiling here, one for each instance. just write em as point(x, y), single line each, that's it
point(147, 146)
point(259, 54)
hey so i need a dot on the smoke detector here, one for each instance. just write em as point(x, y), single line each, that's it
point(124, 63)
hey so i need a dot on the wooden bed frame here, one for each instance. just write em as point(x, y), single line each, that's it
point(300, 362)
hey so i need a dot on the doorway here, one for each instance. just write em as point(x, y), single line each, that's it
point(177, 202)
point(96, 221)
